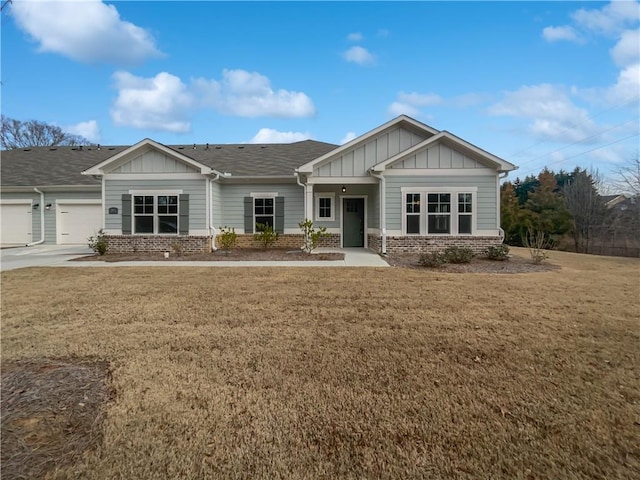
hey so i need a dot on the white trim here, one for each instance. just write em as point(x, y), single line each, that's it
point(402, 119)
point(207, 205)
point(113, 231)
point(78, 201)
point(201, 233)
point(439, 189)
point(317, 197)
point(366, 220)
point(17, 201)
point(51, 188)
point(440, 172)
point(487, 233)
point(155, 192)
point(341, 180)
point(152, 176)
point(263, 194)
point(122, 157)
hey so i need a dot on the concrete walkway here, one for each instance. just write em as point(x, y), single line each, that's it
point(58, 256)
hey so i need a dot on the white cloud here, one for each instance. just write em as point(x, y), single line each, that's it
point(355, 37)
point(555, 34)
point(411, 103)
point(627, 50)
point(627, 87)
point(399, 108)
point(269, 135)
point(359, 55)
point(551, 112)
point(383, 33)
point(348, 137)
point(84, 30)
point(249, 94)
point(611, 19)
point(158, 103)
point(88, 130)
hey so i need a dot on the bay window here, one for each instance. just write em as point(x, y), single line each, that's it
point(438, 211)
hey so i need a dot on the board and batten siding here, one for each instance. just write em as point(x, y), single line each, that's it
point(154, 161)
point(372, 193)
point(233, 196)
point(196, 189)
point(485, 200)
point(356, 161)
point(49, 215)
point(437, 156)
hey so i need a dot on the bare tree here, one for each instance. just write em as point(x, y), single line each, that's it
point(585, 205)
point(18, 134)
point(628, 178)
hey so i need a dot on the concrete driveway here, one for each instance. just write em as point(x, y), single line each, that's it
point(40, 256)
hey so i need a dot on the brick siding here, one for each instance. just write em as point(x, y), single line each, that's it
point(427, 244)
point(158, 243)
point(292, 241)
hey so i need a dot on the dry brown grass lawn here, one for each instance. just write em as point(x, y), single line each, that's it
point(348, 373)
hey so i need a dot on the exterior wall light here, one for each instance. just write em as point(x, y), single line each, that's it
point(47, 206)
point(344, 189)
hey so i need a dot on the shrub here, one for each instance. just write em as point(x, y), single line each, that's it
point(98, 243)
point(227, 238)
point(458, 254)
point(537, 243)
point(266, 235)
point(177, 249)
point(431, 260)
point(311, 235)
point(497, 252)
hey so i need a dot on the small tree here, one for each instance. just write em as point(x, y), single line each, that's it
point(266, 235)
point(311, 235)
point(537, 243)
point(98, 243)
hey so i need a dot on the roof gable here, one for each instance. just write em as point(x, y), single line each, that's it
point(354, 158)
point(148, 156)
point(457, 153)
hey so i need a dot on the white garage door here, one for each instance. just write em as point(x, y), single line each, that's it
point(78, 221)
point(15, 219)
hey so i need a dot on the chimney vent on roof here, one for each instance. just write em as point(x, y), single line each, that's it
point(241, 146)
point(98, 147)
point(80, 147)
point(207, 147)
point(53, 148)
point(112, 148)
point(194, 146)
point(218, 147)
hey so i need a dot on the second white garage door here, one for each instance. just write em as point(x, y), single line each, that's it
point(15, 218)
point(77, 221)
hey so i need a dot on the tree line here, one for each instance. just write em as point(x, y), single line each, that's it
point(572, 212)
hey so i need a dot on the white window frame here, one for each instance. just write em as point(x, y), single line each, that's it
point(454, 214)
point(332, 197)
point(273, 223)
point(155, 194)
point(405, 213)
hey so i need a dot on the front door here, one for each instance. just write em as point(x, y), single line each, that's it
point(353, 222)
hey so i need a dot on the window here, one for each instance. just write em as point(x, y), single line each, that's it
point(263, 213)
point(464, 213)
point(413, 213)
point(155, 214)
point(324, 206)
point(439, 213)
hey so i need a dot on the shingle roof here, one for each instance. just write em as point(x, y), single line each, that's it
point(63, 165)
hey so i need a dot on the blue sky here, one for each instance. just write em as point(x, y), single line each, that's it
point(536, 83)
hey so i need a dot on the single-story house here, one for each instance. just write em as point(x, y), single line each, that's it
point(402, 186)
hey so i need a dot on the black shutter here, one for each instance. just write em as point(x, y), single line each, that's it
point(126, 214)
point(184, 214)
point(279, 214)
point(248, 215)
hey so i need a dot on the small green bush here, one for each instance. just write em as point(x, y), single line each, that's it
point(98, 243)
point(458, 255)
point(266, 235)
point(227, 238)
point(311, 235)
point(431, 260)
point(498, 252)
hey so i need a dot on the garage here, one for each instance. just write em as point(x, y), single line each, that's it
point(77, 220)
point(15, 222)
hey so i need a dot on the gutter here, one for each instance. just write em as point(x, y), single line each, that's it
point(383, 210)
point(501, 176)
point(41, 219)
point(304, 195)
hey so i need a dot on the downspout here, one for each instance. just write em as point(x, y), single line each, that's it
point(304, 194)
point(41, 219)
point(383, 213)
point(211, 227)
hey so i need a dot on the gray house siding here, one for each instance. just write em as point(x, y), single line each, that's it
point(356, 161)
point(216, 201)
point(153, 161)
point(373, 202)
point(233, 202)
point(486, 198)
point(196, 189)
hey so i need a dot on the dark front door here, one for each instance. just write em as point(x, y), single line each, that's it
point(353, 222)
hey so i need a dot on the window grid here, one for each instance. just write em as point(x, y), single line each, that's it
point(263, 213)
point(412, 206)
point(155, 214)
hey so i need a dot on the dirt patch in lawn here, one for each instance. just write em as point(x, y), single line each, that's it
point(52, 414)
point(236, 255)
point(515, 264)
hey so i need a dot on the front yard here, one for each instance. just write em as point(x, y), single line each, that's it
point(337, 372)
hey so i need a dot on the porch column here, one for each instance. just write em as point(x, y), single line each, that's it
point(309, 201)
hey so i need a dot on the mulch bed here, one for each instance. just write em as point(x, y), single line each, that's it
point(514, 264)
point(237, 255)
point(52, 414)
